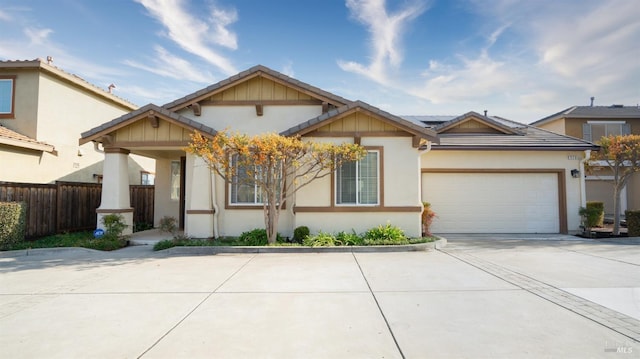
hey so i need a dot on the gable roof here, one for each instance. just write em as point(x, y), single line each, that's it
point(41, 65)
point(255, 71)
point(143, 112)
point(472, 115)
point(612, 112)
point(12, 138)
point(525, 137)
point(342, 111)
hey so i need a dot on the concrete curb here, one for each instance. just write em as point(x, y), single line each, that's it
point(44, 251)
point(208, 250)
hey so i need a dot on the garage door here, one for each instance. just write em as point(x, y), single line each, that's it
point(493, 202)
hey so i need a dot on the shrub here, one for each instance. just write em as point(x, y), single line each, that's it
point(349, 239)
point(427, 218)
point(593, 214)
point(12, 223)
point(633, 223)
point(257, 237)
point(322, 239)
point(168, 224)
point(385, 235)
point(114, 226)
point(300, 233)
point(142, 226)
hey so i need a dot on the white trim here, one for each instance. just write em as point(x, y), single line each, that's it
point(606, 122)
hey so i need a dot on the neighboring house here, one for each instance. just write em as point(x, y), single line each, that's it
point(42, 112)
point(592, 123)
point(466, 167)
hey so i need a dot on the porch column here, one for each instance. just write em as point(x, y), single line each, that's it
point(115, 187)
point(199, 217)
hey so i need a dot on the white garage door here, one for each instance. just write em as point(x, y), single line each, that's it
point(493, 202)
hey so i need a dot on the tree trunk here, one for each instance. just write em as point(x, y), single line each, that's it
point(616, 210)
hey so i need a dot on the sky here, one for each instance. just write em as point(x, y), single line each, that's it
point(522, 60)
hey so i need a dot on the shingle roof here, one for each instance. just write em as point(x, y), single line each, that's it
point(107, 127)
point(258, 69)
point(602, 112)
point(327, 117)
point(501, 126)
point(12, 138)
point(66, 76)
point(527, 138)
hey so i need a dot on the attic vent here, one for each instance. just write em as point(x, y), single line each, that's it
point(616, 106)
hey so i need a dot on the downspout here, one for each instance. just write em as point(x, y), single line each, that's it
point(216, 211)
point(583, 189)
point(420, 154)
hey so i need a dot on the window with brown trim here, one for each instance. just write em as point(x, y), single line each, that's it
point(358, 183)
point(7, 96)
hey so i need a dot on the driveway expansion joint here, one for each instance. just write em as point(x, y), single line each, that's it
point(616, 321)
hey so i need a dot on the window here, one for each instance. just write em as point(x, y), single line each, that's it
point(243, 188)
point(175, 180)
point(7, 96)
point(357, 183)
point(593, 131)
point(146, 178)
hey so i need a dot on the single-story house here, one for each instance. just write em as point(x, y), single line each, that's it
point(481, 174)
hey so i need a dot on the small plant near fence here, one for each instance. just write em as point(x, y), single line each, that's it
point(633, 223)
point(592, 215)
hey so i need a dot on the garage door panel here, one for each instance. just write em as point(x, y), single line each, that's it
point(493, 202)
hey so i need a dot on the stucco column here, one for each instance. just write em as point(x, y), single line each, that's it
point(199, 217)
point(115, 187)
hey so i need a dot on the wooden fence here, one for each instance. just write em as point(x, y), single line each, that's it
point(69, 206)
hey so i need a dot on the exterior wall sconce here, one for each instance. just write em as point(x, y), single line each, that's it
point(575, 173)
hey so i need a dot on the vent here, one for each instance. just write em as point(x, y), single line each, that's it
point(616, 106)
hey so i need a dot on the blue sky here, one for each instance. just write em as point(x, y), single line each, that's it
point(521, 60)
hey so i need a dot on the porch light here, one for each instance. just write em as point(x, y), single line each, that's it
point(575, 173)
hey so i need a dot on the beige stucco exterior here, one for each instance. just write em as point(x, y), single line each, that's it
point(54, 107)
point(599, 185)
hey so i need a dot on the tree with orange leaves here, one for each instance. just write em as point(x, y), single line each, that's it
point(277, 165)
point(621, 154)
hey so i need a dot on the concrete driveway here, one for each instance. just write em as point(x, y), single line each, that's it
point(504, 297)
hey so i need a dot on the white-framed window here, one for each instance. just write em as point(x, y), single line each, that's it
point(147, 178)
point(593, 131)
point(7, 94)
point(175, 180)
point(243, 190)
point(358, 182)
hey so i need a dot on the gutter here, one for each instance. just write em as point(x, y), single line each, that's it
point(583, 189)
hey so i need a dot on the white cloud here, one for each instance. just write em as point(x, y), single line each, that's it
point(4, 16)
point(195, 35)
point(386, 32)
point(37, 36)
point(166, 64)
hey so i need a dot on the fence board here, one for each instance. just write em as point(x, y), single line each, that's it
point(69, 206)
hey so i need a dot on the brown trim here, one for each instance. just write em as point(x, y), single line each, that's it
point(152, 143)
point(119, 210)
point(119, 150)
point(358, 133)
point(12, 114)
point(561, 176)
point(343, 209)
point(261, 102)
point(201, 211)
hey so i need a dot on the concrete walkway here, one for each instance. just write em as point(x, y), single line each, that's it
point(479, 297)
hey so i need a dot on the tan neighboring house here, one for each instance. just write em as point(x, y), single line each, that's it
point(482, 174)
point(43, 110)
point(592, 123)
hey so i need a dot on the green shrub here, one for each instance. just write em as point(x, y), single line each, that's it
point(142, 226)
point(300, 233)
point(593, 214)
point(383, 235)
point(257, 237)
point(12, 223)
point(633, 223)
point(114, 226)
point(322, 239)
point(349, 239)
point(168, 224)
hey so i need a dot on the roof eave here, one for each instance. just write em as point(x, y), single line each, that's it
point(38, 146)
